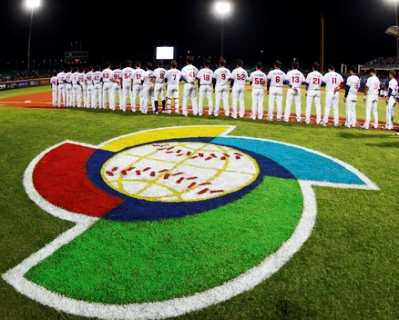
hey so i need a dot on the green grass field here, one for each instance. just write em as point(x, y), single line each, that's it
point(348, 268)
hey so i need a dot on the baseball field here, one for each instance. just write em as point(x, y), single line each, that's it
point(149, 265)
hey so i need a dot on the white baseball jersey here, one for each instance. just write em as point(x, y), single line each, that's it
point(353, 82)
point(295, 78)
point(159, 75)
point(173, 76)
point(239, 75)
point(393, 84)
point(75, 76)
point(222, 76)
point(138, 76)
point(332, 80)
point(106, 75)
point(54, 81)
point(117, 75)
point(373, 84)
point(81, 79)
point(127, 75)
point(97, 77)
point(189, 72)
point(68, 77)
point(148, 78)
point(276, 78)
point(89, 78)
point(258, 79)
point(314, 80)
point(205, 76)
point(61, 77)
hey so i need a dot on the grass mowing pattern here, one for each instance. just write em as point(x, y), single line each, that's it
point(119, 262)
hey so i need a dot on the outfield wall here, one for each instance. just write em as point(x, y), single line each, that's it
point(24, 83)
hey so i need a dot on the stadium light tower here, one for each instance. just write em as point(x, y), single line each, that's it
point(396, 22)
point(31, 4)
point(222, 8)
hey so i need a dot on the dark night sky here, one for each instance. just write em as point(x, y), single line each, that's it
point(282, 29)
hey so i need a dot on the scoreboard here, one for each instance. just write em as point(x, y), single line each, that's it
point(76, 57)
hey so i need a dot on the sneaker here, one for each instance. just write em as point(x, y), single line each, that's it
point(375, 127)
point(306, 122)
point(324, 124)
point(269, 119)
point(177, 111)
point(364, 127)
point(278, 119)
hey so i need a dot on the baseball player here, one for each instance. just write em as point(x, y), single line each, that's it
point(90, 88)
point(275, 81)
point(75, 88)
point(148, 88)
point(390, 100)
point(159, 74)
point(83, 85)
point(204, 77)
point(220, 78)
point(295, 78)
point(68, 87)
point(97, 87)
point(108, 80)
point(313, 84)
point(189, 73)
point(237, 86)
point(351, 88)
point(61, 88)
point(371, 99)
point(172, 79)
point(257, 80)
point(333, 82)
point(127, 83)
point(54, 90)
point(116, 90)
point(138, 77)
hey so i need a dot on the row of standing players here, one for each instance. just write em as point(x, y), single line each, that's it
point(91, 89)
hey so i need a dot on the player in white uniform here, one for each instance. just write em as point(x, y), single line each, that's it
point(351, 88)
point(238, 77)
point(172, 79)
point(75, 88)
point(127, 84)
point(90, 88)
point(333, 81)
point(68, 87)
point(257, 80)
point(275, 81)
point(97, 81)
point(148, 88)
point(204, 77)
point(390, 100)
point(371, 99)
point(54, 90)
point(138, 77)
point(61, 88)
point(220, 79)
point(116, 90)
point(108, 80)
point(295, 78)
point(83, 85)
point(189, 73)
point(159, 74)
point(313, 84)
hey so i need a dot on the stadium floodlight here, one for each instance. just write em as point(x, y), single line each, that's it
point(222, 8)
point(397, 40)
point(31, 4)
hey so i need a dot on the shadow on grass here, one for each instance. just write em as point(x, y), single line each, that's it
point(394, 144)
point(357, 135)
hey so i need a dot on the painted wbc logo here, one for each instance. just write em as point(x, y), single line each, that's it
point(172, 220)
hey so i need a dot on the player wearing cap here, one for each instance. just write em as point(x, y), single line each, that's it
point(97, 79)
point(390, 100)
point(313, 84)
point(61, 88)
point(116, 90)
point(81, 88)
point(75, 88)
point(257, 80)
point(295, 78)
point(333, 81)
point(204, 77)
point(108, 80)
point(159, 74)
point(54, 90)
point(237, 84)
point(138, 77)
point(189, 73)
point(172, 79)
point(275, 81)
point(127, 84)
point(68, 87)
point(90, 88)
point(371, 99)
point(351, 88)
point(148, 88)
point(220, 79)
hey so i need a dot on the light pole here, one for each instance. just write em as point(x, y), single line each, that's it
point(222, 8)
point(31, 4)
point(396, 23)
